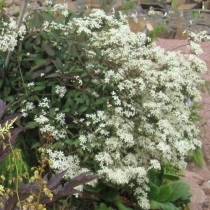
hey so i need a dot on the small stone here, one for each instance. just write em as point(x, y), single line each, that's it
point(204, 205)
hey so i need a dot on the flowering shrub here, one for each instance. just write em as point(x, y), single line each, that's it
point(110, 100)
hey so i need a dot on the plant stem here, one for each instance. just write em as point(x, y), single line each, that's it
point(21, 75)
point(17, 173)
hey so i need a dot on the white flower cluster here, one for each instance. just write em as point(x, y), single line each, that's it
point(60, 90)
point(147, 122)
point(71, 163)
point(45, 121)
point(196, 48)
point(28, 106)
point(61, 9)
point(9, 35)
point(199, 36)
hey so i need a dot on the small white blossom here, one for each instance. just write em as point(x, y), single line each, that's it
point(60, 90)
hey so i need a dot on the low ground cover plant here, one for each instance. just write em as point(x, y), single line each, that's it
point(99, 98)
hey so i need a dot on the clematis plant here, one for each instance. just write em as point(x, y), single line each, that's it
point(107, 99)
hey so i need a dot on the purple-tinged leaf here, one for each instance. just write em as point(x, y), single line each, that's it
point(5, 151)
point(55, 180)
point(80, 179)
point(10, 118)
point(3, 107)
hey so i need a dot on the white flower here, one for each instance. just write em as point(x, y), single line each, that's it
point(60, 118)
point(31, 84)
point(44, 103)
point(60, 90)
point(41, 119)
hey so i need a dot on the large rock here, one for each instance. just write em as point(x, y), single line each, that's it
point(198, 195)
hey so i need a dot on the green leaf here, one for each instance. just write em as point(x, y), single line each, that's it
point(154, 204)
point(179, 189)
point(37, 88)
point(58, 63)
point(71, 142)
point(39, 63)
point(90, 188)
point(80, 100)
point(44, 34)
point(165, 193)
point(37, 144)
point(187, 196)
point(121, 206)
point(48, 49)
point(52, 75)
point(66, 110)
point(163, 206)
point(58, 146)
point(103, 207)
point(83, 109)
point(198, 156)
point(154, 191)
point(171, 177)
point(38, 40)
point(49, 18)
point(168, 206)
point(73, 50)
point(31, 124)
point(110, 195)
point(100, 101)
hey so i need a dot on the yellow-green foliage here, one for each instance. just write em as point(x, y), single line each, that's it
point(159, 29)
point(9, 165)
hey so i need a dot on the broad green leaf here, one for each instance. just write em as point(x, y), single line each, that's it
point(66, 110)
point(83, 109)
point(52, 112)
point(179, 189)
point(171, 177)
point(31, 124)
point(48, 49)
point(58, 63)
point(52, 75)
point(39, 63)
point(163, 206)
point(71, 142)
point(37, 48)
point(102, 207)
point(73, 50)
point(58, 146)
point(100, 101)
point(44, 34)
point(154, 204)
point(37, 40)
point(168, 206)
point(89, 188)
point(154, 191)
point(198, 156)
point(121, 206)
point(110, 196)
point(47, 16)
point(37, 88)
point(187, 196)
point(165, 193)
point(80, 100)
point(37, 144)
